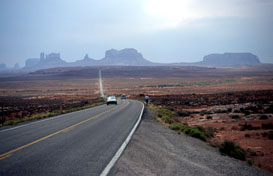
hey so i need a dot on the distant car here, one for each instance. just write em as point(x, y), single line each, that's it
point(112, 100)
point(123, 96)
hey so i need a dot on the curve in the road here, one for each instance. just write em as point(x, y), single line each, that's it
point(8, 154)
point(78, 143)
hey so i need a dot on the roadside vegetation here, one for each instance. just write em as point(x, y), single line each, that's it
point(231, 149)
point(206, 83)
point(56, 112)
point(165, 115)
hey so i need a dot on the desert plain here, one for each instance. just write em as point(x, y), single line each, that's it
point(237, 103)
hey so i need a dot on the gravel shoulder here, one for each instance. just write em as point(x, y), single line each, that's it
point(157, 150)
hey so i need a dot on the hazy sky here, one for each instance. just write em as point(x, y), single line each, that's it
point(162, 30)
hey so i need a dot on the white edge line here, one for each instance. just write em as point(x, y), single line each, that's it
point(122, 147)
point(42, 120)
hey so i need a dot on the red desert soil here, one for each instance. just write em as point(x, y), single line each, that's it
point(26, 96)
point(185, 80)
point(228, 99)
point(245, 118)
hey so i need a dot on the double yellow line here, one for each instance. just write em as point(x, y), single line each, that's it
point(7, 154)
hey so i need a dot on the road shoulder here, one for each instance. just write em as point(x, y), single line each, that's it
point(157, 150)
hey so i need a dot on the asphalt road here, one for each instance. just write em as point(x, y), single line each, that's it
point(78, 143)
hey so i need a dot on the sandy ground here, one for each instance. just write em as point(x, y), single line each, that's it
point(157, 150)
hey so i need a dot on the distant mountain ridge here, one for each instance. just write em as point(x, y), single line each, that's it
point(124, 57)
point(131, 57)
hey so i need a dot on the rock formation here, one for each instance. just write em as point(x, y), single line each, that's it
point(51, 60)
point(126, 57)
point(230, 59)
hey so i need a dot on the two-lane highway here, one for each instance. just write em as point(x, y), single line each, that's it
point(78, 143)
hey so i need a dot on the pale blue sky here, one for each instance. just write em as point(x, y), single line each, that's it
point(162, 30)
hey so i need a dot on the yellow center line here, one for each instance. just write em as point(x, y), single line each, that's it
point(7, 154)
